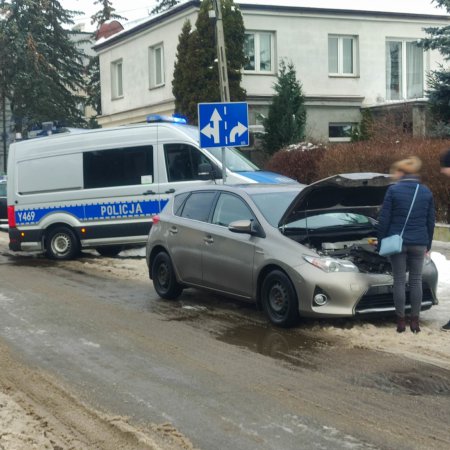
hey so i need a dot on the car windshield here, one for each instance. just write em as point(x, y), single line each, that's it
point(2, 189)
point(234, 160)
point(331, 220)
point(273, 204)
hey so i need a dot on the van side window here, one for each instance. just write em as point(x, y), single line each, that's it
point(117, 167)
point(198, 206)
point(182, 162)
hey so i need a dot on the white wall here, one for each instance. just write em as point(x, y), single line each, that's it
point(304, 40)
point(301, 38)
point(134, 53)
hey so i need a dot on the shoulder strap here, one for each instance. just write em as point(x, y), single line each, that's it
point(410, 209)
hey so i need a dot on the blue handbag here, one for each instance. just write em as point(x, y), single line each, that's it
point(392, 245)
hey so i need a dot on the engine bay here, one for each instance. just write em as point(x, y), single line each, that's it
point(361, 253)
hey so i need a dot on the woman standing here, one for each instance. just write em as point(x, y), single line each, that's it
point(417, 236)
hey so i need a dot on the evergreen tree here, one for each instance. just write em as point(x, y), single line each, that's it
point(196, 76)
point(439, 80)
point(184, 77)
point(163, 5)
point(93, 91)
point(286, 119)
point(107, 12)
point(46, 66)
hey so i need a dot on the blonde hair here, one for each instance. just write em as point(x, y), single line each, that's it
point(411, 165)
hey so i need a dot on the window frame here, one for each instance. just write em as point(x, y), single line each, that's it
point(257, 52)
point(117, 79)
point(403, 92)
point(154, 83)
point(340, 56)
point(341, 124)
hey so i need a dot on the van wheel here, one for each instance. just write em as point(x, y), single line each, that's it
point(164, 279)
point(279, 299)
point(61, 243)
point(109, 250)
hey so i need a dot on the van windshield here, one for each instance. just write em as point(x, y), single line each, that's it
point(235, 161)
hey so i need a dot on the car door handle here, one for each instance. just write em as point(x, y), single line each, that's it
point(170, 191)
point(208, 239)
point(149, 193)
point(173, 230)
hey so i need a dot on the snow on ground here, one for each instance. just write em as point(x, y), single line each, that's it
point(431, 345)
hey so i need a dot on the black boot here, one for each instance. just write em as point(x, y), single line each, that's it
point(414, 325)
point(401, 324)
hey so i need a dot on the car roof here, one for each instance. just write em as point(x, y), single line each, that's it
point(250, 188)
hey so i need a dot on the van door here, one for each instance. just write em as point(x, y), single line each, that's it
point(179, 168)
point(120, 193)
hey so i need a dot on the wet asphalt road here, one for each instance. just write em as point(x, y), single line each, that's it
point(214, 368)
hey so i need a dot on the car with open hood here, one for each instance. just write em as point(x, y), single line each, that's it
point(295, 250)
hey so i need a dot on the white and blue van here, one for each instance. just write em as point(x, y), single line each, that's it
point(100, 188)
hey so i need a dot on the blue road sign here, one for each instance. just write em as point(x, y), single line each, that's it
point(223, 124)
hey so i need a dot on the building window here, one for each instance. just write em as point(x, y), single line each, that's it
point(342, 51)
point(404, 70)
point(156, 66)
point(341, 132)
point(116, 79)
point(259, 52)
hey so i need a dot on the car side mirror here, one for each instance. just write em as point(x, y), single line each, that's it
point(207, 171)
point(246, 226)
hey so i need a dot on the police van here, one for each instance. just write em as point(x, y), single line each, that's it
point(100, 188)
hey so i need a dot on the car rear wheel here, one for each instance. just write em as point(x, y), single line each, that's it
point(164, 279)
point(109, 250)
point(62, 243)
point(279, 299)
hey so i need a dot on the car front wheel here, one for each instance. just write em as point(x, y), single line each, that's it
point(279, 299)
point(164, 279)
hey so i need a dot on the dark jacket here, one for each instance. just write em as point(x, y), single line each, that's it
point(397, 201)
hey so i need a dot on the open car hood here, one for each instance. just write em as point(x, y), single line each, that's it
point(349, 192)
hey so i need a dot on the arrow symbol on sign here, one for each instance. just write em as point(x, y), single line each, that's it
point(238, 130)
point(213, 131)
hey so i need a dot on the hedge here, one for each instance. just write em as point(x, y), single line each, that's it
point(307, 166)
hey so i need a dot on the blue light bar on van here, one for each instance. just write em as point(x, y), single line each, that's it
point(152, 118)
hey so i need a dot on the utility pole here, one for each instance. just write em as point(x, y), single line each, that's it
point(223, 70)
point(221, 54)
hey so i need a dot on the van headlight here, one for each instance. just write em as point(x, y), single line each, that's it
point(328, 264)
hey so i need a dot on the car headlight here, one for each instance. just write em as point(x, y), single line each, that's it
point(328, 264)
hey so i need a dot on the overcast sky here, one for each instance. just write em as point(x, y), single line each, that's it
point(137, 9)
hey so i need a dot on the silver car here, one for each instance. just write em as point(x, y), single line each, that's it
point(295, 250)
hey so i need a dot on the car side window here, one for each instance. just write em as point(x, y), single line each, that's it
point(182, 162)
point(198, 206)
point(230, 208)
point(178, 203)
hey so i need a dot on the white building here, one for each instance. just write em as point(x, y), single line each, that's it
point(345, 59)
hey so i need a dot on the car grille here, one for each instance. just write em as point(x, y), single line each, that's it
point(380, 299)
